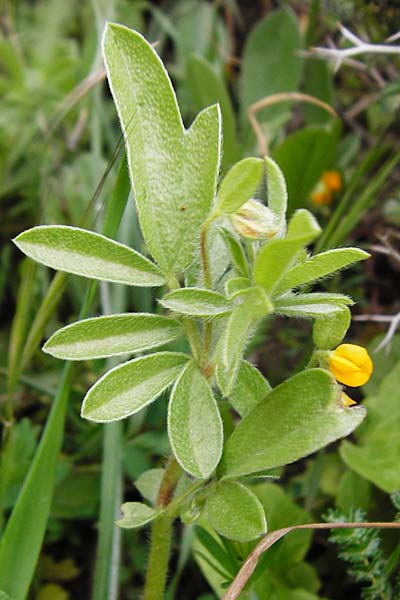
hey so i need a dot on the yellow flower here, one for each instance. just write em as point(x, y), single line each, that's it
point(329, 183)
point(321, 195)
point(351, 364)
point(346, 400)
point(332, 180)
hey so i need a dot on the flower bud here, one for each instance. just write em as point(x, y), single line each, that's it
point(255, 220)
point(351, 364)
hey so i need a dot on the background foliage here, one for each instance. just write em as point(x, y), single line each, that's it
point(59, 140)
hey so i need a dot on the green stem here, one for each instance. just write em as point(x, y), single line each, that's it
point(205, 262)
point(156, 577)
point(161, 535)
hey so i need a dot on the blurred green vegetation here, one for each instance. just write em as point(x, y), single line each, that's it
point(60, 148)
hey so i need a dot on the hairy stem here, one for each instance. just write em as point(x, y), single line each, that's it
point(161, 535)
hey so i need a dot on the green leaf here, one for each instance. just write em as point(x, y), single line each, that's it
point(308, 311)
point(236, 285)
point(318, 82)
point(282, 511)
point(249, 389)
point(270, 62)
point(128, 388)
point(239, 260)
point(277, 192)
point(303, 227)
point(112, 335)
point(88, 254)
point(305, 412)
point(276, 257)
point(329, 331)
point(235, 512)
point(256, 303)
point(135, 515)
point(303, 156)
point(239, 184)
point(376, 457)
point(289, 299)
point(231, 347)
point(207, 87)
point(320, 266)
point(311, 305)
point(197, 302)
point(194, 424)
point(174, 171)
point(149, 483)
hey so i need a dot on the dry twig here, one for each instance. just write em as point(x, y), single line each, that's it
point(250, 563)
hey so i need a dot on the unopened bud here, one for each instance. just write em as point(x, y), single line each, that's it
point(256, 221)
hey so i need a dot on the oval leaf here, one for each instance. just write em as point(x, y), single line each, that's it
point(320, 266)
point(298, 417)
point(128, 388)
point(235, 512)
point(277, 192)
point(194, 424)
point(111, 335)
point(249, 389)
point(197, 302)
point(239, 184)
point(88, 254)
point(312, 305)
point(329, 331)
point(136, 514)
point(149, 483)
point(231, 347)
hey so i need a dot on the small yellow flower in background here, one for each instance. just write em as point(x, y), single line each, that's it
point(346, 400)
point(351, 364)
point(255, 221)
point(321, 194)
point(332, 180)
point(329, 183)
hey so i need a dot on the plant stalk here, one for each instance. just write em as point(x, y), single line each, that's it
point(161, 536)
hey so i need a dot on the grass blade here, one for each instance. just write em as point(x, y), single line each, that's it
point(22, 539)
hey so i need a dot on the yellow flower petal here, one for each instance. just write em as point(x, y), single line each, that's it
point(346, 400)
point(351, 364)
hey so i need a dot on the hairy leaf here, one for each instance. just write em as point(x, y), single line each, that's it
point(231, 348)
point(89, 254)
point(194, 424)
point(174, 171)
point(128, 388)
point(249, 389)
point(111, 335)
point(135, 515)
point(298, 417)
point(277, 192)
point(235, 512)
point(320, 266)
point(276, 257)
point(329, 331)
point(239, 184)
point(197, 302)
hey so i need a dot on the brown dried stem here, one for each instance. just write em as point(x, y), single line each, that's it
point(275, 99)
point(250, 563)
